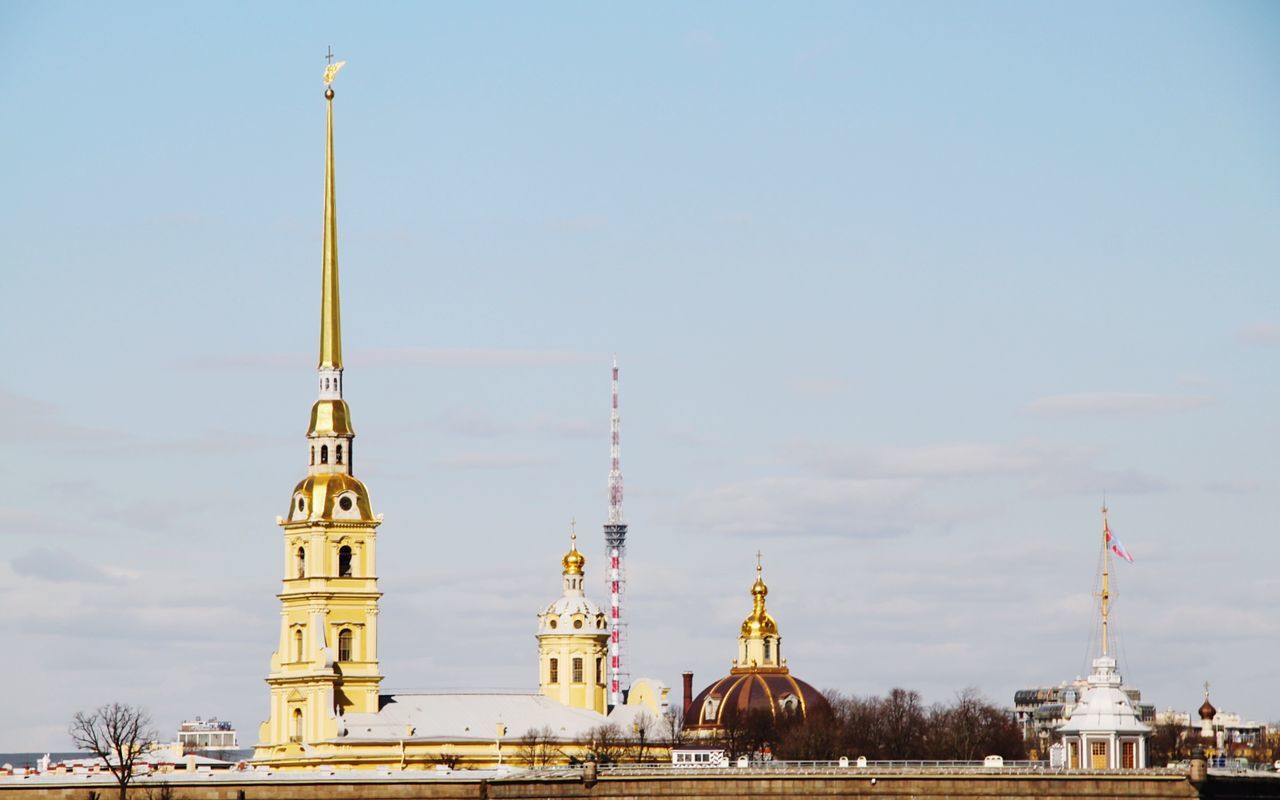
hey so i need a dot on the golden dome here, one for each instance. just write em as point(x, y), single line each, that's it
point(573, 561)
point(331, 496)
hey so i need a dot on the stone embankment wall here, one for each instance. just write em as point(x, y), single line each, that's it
point(672, 784)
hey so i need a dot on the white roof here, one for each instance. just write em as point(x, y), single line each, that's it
point(1104, 708)
point(461, 716)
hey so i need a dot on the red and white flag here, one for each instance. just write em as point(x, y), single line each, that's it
point(1115, 545)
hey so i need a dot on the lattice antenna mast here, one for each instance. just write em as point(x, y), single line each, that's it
point(615, 541)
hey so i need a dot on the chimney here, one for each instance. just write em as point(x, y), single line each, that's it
point(688, 693)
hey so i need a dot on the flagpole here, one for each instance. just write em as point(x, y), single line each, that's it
point(1106, 577)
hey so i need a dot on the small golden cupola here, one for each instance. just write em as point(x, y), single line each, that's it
point(573, 560)
point(759, 645)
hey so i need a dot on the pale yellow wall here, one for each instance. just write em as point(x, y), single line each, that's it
point(320, 604)
point(589, 693)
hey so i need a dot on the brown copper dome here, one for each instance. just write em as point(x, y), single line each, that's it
point(1207, 711)
point(745, 690)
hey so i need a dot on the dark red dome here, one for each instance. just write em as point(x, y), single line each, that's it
point(746, 690)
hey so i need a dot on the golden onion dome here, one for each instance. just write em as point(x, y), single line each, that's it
point(759, 622)
point(573, 561)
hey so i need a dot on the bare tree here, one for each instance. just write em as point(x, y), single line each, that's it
point(672, 727)
point(607, 743)
point(537, 748)
point(646, 730)
point(117, 733)
point(1168, 742)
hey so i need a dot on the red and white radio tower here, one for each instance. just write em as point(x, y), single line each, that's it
point(615, 540)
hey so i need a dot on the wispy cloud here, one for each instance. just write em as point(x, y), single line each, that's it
point(472, 424)
point(494, 461)
point(411, 357)
point(25, 522)
point(820, 387)
point(1241, 486)
point(825, 506)
point(1089, 480)
point(947, 460)
point(1260, 333)
point(61, 566)
point(1104, 403)
point(31, 421)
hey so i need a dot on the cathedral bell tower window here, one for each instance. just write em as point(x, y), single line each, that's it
point(297, 724)
point(338, 454)
point(768, 649)
point(344, 562)
point(297, 645)
point(324, 454)
point(301, 563)
point(344, 645)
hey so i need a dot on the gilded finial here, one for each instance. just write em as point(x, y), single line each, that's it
point(759, 621)
point(573, 532)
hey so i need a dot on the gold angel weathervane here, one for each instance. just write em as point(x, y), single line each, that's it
point(331, 69)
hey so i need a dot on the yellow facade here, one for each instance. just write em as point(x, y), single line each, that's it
point(573, 639)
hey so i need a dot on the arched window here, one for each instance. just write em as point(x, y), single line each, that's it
point(555, 671)
point(313, 455)
point(344, 562)
point(599, 670)
point(768, 648)
point(709, 709)
point(338, 455)
point(297, 724)
point(344, 644)
point(297, 644)
point(577, 670)
point(324, 454)
point(300, 560)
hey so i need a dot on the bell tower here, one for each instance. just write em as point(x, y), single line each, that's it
point(572, 639)
point(326, 660)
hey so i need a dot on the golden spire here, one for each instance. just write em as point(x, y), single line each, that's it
point(330, 327)
point(573, 561)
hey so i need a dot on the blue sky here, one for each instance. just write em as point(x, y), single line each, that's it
point(899, 292)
